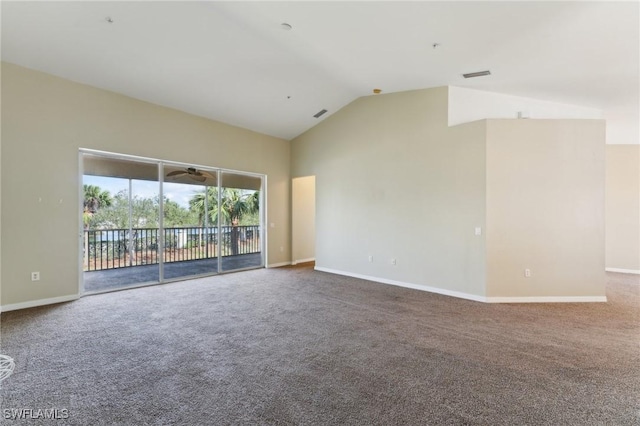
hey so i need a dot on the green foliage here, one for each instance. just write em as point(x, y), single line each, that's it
point(102, 211)
point(95, 198)
point(177, 216)
point(250, 219)
point(144, 213)
point(236, 206)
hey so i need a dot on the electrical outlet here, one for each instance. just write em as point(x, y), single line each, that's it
point(394, 262)
point(35, 276)
point(370, 259)
point(527, 273)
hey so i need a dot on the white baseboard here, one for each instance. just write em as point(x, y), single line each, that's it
point(445, 292)
point(39, 302)
point(467, 296)
point(311, 259)
point(624, 271)
point(278, 265)
point(547, 299)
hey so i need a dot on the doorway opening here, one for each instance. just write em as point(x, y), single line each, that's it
point(303, 219)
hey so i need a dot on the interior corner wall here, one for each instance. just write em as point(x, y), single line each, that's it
point(545, 209)
point(393, 181)
point(45, 120)
point(623, 208)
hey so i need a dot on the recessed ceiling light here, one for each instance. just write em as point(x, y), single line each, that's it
point(285, 26)
point(320, 113)
point(476, 74)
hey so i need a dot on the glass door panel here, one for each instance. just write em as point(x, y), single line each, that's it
point(189, 241)
point(120, 221)
point(240, 221)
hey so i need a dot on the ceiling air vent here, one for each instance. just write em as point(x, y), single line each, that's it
point(476, 74)
point(320, 113)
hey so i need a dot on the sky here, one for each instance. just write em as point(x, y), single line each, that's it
point(178, 192)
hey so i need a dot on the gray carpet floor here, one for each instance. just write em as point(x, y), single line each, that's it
point(296, 346)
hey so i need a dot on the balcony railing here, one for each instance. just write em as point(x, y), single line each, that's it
point(120, 248)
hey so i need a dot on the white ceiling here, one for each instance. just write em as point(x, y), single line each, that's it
point(232, 61)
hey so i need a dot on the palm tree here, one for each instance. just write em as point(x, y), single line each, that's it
point(94, 199)
point(234, 204)
point(197, 204)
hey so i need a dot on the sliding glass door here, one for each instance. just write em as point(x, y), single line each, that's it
point(190, 244)
point(120, 212)
point(240, 221)
point(148, 221)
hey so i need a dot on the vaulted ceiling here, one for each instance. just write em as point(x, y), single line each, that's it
point(235, 62)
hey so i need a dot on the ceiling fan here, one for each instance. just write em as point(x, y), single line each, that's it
point(193, 173)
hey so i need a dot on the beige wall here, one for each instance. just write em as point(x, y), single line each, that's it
point(623, 208)
point(45, 120)
point(0, 192)
point(545, 208)
point(394, 182)
point(303, 219)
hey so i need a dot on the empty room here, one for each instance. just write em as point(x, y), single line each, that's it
point(320, 213)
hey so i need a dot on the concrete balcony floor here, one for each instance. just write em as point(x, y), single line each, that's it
point(116, 279)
